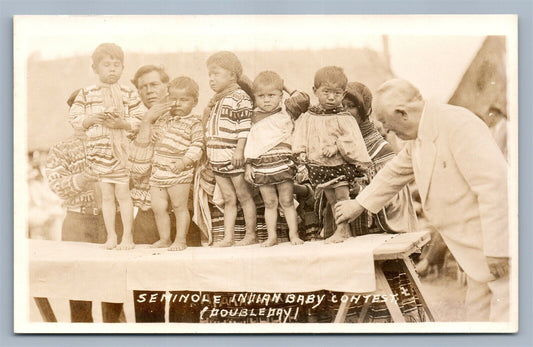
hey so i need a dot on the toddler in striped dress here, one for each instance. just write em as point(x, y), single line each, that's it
point(178, 141)
point(268, 154)
point(109, 114)
point(228, 123)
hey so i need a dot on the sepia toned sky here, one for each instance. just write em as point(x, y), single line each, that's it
point(433, 52)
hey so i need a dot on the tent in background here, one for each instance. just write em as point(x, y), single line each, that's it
point(483, 88)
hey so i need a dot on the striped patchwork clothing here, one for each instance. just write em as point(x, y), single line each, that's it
point(65, 161)
point(379, 150)
point(229, 121)
point(140, 158)
point(101, 149)
point(182, 138)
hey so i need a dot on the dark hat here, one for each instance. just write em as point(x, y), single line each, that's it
point(72, 97)
point(359, 94)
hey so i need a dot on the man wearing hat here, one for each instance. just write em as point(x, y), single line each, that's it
point(462, 178)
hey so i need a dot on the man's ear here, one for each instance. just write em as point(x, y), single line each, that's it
point(314, 90)
point(94, 68)
point(400, 111)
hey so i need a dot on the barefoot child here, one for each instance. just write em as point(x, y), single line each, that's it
point(178, 143)
point(269, 155)
point(329, 141)
point(228, 125)
point(108, 113)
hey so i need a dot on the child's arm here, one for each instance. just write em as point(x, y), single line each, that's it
point(132, 118)
point(78, 117)
point(351, 144)
point(299, 140)
point(243, 114)
point(194, 152)
point(136, 111)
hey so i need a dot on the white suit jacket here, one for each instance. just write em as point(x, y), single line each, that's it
point(462, 177)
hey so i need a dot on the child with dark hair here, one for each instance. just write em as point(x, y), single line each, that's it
point(329, 141)
point(228, 119)
point(269, 156)
point(109, 113)
point(177, 147)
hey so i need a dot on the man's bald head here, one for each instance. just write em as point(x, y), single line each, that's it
point(398, 91)
point(398, 105)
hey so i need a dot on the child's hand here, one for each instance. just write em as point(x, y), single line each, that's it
point(329, 151)
point(156, 111)
point(116, 123)
point(179, 166)
point(238, 159)
point(302, 157)
point(95, 118)
point(249, 174)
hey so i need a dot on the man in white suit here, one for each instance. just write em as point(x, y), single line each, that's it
point(462, 178)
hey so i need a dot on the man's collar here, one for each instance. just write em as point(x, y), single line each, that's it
point(425, 126)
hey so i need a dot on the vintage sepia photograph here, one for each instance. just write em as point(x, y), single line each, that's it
point(266, 174)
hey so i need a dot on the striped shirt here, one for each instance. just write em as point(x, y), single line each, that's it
point(229, 121)
point(379, 150)
point(100, 151)
point(183, 137)
point(65, 161)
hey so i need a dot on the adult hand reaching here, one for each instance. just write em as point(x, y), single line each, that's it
point(347, 211)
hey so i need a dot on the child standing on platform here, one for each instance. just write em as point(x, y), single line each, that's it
point(269, 155)
point(178, 146)
point(328, 140)
point(108, 113)
point(228, 125)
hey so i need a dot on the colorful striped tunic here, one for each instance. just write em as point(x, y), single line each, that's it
point(380, 151)
point(101, 154)
point(140, 158)
point(182, 138)
point(229, 121)
point(65, 161)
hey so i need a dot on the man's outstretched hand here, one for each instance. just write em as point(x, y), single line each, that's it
point(347, 211)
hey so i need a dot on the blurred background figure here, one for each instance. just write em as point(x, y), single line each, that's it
point(45, 213)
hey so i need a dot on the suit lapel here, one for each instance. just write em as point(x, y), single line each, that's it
point(425, 151)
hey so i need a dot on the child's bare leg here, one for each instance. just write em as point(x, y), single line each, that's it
point(109, 213)
point(179, 196)
point(342, 231)
point(230, 210)
point(286, 200)
point(162, 219)
point(270, 198)
point(244, 195)
point(122, 192)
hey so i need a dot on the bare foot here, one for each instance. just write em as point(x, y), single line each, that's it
point(247, 240)
point(270, 242)
point(295, 240)
point(126, 243)
point(111, 241)
point(161, 244)
point(177, 246)
point(224, 243)
point(337, 237)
